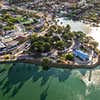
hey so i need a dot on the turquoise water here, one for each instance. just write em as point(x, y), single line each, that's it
point(21, 81)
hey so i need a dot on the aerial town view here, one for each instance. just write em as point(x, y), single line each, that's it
point(49, 49)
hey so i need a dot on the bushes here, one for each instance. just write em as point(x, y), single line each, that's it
point(40, 44)
point(60, 45)
point(45, 62)
point(8, 28)
point(1, 26)
point(94, 43)
point(7, 56)
point(69, 56)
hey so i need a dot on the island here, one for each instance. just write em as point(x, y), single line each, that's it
point(34, 32)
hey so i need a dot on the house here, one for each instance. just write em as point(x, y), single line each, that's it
point(19, 35)
point(12, 44)
point(83, 56)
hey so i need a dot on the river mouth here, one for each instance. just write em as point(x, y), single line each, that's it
point(81, 26)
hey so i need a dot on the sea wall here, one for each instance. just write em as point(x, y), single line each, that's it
point(55, 65)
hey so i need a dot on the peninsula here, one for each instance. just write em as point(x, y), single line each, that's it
point(30, 32)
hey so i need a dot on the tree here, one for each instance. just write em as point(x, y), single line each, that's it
point(33, 38)
point(67, 28)
point(37, 47)
point(7, 57)
point(80, 36)
point(40, 44)
point(1, 26)
point(55, 38)
point(71, 34)
point(45, 62)
point(48, 34)
point(69, 56)
point(60, 45)
point(8, 28)
point(52, 29)
point(65, 36)
point(47, 47)
point(59, 29)
point(94, 43)
point(68, 35)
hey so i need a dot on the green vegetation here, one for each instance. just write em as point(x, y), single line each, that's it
point(92, 16)
point(45, 62)
point(1, 26)
point(25, 20)
point(7, 57)
point(10, 20)
point(60, 45)
point(58, 38)
point(94, 44)
point(8, 28)
point(54, 39)
point(40, 44)
point(80, 36)
point(69, 56)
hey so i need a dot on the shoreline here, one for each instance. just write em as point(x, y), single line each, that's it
point(54, 65)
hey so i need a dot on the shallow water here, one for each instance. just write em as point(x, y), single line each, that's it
point(21, 81)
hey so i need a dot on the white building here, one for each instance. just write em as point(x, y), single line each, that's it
point(2, 45)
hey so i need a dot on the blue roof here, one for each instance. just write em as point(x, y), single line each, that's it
point(81, 54)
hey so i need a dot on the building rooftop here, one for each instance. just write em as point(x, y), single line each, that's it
point(12, 43)
point(82, 55)
point(2, 45)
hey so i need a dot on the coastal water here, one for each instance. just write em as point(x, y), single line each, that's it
point(21, 81)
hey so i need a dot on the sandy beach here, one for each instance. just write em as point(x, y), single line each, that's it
point(95, 33)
